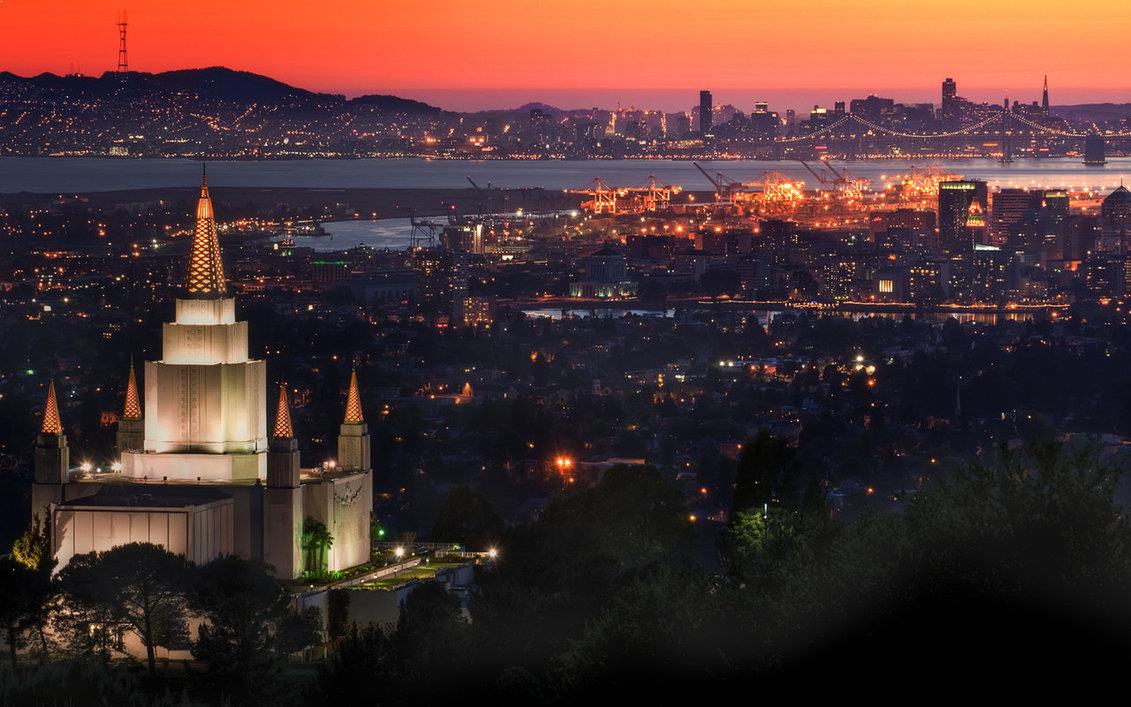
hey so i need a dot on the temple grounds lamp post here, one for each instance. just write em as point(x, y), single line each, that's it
point(398, 552)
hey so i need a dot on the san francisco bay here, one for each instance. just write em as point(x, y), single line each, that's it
point(81, 174)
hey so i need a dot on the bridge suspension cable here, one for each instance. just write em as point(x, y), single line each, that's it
point(953, 133)
point(825, 130)
point(1065, 133)
point(967, 130)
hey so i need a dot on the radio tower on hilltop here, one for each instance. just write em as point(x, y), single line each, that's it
point(123, 64)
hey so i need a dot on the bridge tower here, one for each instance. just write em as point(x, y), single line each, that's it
point(1006, 134)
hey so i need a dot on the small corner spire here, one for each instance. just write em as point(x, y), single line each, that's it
point(353, 403)
point(52, 425)
point(283, 428)
point(132, 408)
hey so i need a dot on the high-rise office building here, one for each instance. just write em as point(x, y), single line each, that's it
point(1115, 221)
point(1045, 97)
point(949, 98)
point(962, 214)
point(441, 279)
point(1008, 208)
point(706, 110)
point(949, 90)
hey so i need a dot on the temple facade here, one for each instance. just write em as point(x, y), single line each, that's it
point(199, 473)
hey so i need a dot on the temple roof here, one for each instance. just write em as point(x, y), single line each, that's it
point(52, 425)
point(283, 428)
point(150, 496)
point(353, 403)
point(132, 408)
point(205, 276)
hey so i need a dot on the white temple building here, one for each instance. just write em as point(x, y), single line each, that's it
point(199, 473)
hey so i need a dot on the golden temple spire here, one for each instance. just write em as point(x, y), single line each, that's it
point(132, 408)
point(205, 277)
point(52, 425)
point(283, 428)
point(353, 403)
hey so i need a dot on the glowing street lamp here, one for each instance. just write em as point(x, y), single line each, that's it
point(493, 553)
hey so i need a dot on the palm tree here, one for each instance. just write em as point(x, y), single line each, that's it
point(316, 542)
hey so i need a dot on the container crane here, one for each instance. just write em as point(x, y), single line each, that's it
point(604, 197)
point(724, 185)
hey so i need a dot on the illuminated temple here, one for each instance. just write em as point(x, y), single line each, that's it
point(199, 473)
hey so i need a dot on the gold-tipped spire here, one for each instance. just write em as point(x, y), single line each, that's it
point(283, 428)
point(353, 403)
point(52, 425)
point(205, 277)
point(132, 408)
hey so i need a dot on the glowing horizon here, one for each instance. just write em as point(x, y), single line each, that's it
point(460, 55)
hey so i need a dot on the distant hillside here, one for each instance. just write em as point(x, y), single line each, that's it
point(1099, 112)
point(395, 104)
point(544, 107)
point(208, 111)
point(214, 83)
point(227, 84)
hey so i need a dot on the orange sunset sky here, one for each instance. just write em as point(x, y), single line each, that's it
point(474, 54)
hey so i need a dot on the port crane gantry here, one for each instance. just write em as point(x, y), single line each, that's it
point(422, 231)
point(654, 194)
point(724, 185)
point(603, 198)
point(649, 195)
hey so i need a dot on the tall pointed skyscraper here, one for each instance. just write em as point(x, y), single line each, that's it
point(1045, 96)
point(131, 427)
point(52, 458)
point(353, 439)
point(205, 400)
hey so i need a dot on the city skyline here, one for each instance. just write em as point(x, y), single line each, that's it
point(528, 54)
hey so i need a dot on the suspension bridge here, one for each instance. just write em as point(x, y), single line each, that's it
point(1001, 124)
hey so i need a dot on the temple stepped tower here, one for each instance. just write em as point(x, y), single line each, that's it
point(206, 410)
